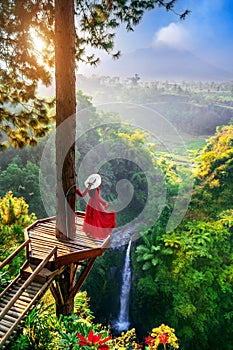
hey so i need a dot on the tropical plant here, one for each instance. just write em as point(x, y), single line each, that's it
point(93, 341)
point(126, 340)
point(162, 335)
point(147, 253)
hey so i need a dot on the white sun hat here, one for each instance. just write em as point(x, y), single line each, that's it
point(93, 181)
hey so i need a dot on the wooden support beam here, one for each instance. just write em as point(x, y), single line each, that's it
point(54, 292)
point(83, 276)
point(78, 256)
point(60, 293)
point(71, 272)
point(74, 275)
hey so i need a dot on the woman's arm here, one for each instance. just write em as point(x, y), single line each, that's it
point(81, 194)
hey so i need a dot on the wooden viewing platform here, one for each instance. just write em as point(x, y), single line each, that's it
point(46, 259)
point(42, 236)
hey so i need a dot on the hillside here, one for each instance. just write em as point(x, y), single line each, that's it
point(156, 64)
point(214, 181)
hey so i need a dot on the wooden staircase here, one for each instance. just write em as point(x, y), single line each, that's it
point(47, 257)
point(17, 300)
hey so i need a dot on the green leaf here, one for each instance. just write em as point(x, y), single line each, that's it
point(154, 261)
point(142, 249)
point(148, 256)
point(168, 251)
point(155, 248)
point(146, 266)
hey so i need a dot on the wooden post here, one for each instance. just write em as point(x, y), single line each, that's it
point(83, 276)
point(65, 304)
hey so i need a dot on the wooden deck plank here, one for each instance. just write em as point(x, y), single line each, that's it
point(38, 250)
point(45, 234)
point(52, 242)
point(73, 245)
point(45, 247)
point(85, 240)
point(37, 243)
point(93, 242)
point(84, 237)
point(37, 254)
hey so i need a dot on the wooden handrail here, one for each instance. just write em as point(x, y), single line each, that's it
point(27, 282)
point(12, 255)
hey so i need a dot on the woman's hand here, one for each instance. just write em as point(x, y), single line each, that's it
point(106, 205)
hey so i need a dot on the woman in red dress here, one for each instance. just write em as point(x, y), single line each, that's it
point(98, 223)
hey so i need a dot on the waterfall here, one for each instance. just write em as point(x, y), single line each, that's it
point(122, 323)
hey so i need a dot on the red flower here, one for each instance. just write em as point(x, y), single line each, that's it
point(163, 338)
point(103, 347)
point(149, 340)
point(93, 339)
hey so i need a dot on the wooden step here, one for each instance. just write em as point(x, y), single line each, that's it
point(6, 323)
point(12, 313)
point(42, 276)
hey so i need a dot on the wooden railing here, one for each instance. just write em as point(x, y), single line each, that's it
point(16, 252)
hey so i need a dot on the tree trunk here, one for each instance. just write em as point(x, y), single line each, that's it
point(66, 305)
point(65, 117)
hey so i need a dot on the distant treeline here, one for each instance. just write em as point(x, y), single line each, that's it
point(196, 108)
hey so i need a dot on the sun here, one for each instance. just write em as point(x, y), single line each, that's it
point(38, 44)
point(37, 41)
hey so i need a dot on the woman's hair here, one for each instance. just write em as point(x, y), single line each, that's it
point(91, 192)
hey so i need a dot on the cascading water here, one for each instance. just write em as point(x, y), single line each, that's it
point(122, 324)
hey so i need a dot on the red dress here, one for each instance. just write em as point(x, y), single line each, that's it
point(98, 223)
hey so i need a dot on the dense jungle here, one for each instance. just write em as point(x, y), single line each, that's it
point(182, 276)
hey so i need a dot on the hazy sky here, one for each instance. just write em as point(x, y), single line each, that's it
point(207, 31)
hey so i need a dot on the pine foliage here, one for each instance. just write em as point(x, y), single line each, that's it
point(24, 115)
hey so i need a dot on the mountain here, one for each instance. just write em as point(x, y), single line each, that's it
point(162, 63)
